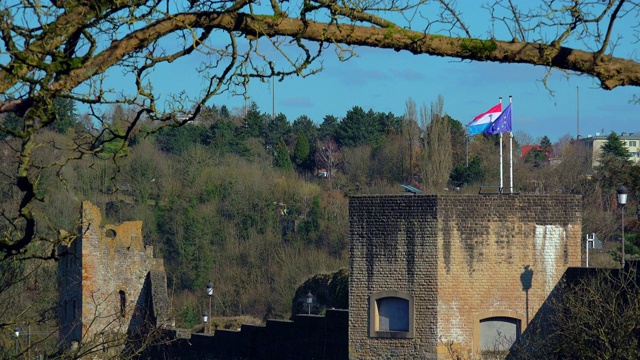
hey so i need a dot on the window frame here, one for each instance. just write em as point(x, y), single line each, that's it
point(374, 316)
point(479, 317)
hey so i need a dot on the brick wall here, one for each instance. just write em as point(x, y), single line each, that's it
point(392, 247)
point(463, 258)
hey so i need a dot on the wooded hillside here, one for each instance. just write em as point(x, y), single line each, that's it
point(258, 204)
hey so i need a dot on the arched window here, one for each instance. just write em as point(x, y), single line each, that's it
point(391, 315)
point(498, 333)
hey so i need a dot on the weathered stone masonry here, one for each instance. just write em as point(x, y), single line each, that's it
point(460, 259)
point(109, 281)
point(424, 271)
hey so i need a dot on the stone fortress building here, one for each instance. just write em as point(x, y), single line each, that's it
point(468, 271)
point(110, 284)
point(427, 274)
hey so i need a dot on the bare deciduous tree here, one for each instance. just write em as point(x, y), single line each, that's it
point(437, 158)
point(328, 156)
point(591, 316)
point(411, 134)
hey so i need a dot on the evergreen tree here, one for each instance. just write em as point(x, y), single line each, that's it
point(329, 128)
point(304, 125)
point(276, 129)
point(176, 140)
point(535, 157)
point(462, 175)
point(281, 158)
point(545, 143)
point(301, 153)
point(65, 112)
point(614, 167)
point(254, 122)
point(11, 123)
point(615, 147)
point(224, 112)
point(388, 123)
point(223, 140)
point(358, 128)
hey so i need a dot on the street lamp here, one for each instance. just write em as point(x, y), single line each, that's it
point(309, 301)
point(16, 331)
point(622, 200)
point(205, 319)
point(210, 294)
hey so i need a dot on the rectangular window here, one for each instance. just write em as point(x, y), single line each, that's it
point(123, 302)
point(632, 143)
point(391, 315)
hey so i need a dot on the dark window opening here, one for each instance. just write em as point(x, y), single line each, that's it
point(123, 302)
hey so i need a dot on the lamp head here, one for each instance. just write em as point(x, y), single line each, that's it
point(622, 195)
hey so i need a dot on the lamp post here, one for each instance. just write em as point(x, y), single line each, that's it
point(205, 319)
point(16, 331)
point(210, 294)
point(622, 200)
point(309, 301)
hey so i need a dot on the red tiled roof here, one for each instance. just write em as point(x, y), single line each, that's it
point(526, 148)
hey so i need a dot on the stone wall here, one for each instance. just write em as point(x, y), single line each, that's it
point(306, 337)
point(461, 258)
point(455, 260)
point(392, 247)
point(102, 277)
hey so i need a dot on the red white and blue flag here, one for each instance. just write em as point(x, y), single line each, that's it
point(502, 124)
point(482, 121)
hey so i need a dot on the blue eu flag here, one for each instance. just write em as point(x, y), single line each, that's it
point(502, 124)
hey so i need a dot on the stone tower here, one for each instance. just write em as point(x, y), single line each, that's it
point(427, 272)
point(110, 284)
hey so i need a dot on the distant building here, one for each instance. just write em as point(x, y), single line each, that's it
point(594, 146)
point(524, 151)
point(550, 155)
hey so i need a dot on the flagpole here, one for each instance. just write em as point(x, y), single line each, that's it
point(511, 150)
point(501, 180)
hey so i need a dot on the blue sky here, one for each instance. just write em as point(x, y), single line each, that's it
point(383, 80)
